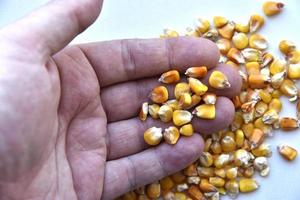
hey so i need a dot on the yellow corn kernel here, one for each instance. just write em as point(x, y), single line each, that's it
point(247, 185)
point(166, 183)
point(275, 104)
point(207, 144)
point(171, 135)
point(205, 186)
point(218, 80)
point(257, 41)
point(221, 191)
point(265, 96)
point(202, 25)
point(209, 98)
point(222, 160)
point(287, 152)
point(129, 196)
point(171, 76)
point(181, 117)
point(232, 188)
point(174, 104)
point(220, 21)
point(165, 113)
point(276, 94)
point(189, 31)
point(249, 172)
point(196, 72)
point(256, 138)
point(260, 108)
point(258, 81)
point(211, 34)
point(224, 45)
point(289, 88)
point(180, 196)
point(237, 121)
point(232, 173)
point(170, 33)
point(241, 158)
point(263, 150)
point(266, 129)
point(249, 115)
point(288, 123)
point(236, 56)
point(286, 46)
point(159, 94)
point(294, 71)
point(267, 59)
point(271, 8)
point(220, 172)
point(195, 193)
point(144, 111)
point(255, 23)
point(205, 111)
point(153, 136)
point(240, 40)
point(227, 30)
point(206, 159)
point(277, 79)
point(187, 130)
point(180, 89)
point(205, 172)
point(185, 100)
point(190, 170)
point(216, 147)
point(153, 110)
point(242, 28)
point(197, 87)
point(178, 177)
point(217, 181)
point(228, 144)
point(248, 129)
point(253, 68)
point(293, 57)
point(270, 117)
point(277, 66)
point(252, 55)
point(153, 190)
point(195, 101)
point(239, 138)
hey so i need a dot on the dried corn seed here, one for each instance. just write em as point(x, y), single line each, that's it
point(170, 33)
point(190, 170)
point(196, 72)
point(168, 195)
point(205, 186)
point(181, 117)
point(166, 183)
point(247, 185)
point(233, 64)
point(180, 89)
point(224, 45)
point(209, 98)
point(294, 71)
point(255, 23)
point(193, 180)
point(248, 116)
point(277, 66)
point(218, 80)
point(232, 188)
point(220, 21)
point(195, 101)
point(222, 160)
point(253, 68)
point(236, 56)
point(249, 172)
point(159, 94)
point(212, 35)
point(171, 135)
point(202, 25)
point(248, 129)
point(276, 94)
point(178, 177)
point(153, 190)
point(242, 28)
point(256, 138)
point(187, 130)
point(216, 147)
point(171, 76)
point(205, 111)
point(220, 172)
point(197, 87)
point(232, 173)
point(278, 79)
point(185, 100)
point(252, 55)
point(182, 187)
point(237, 121)
point(267, 59)
point(206, 159)
point(265, 128)
point(227, 30)
point(260, 163)
point(153, 110)
point(270, 117)
point(129, 196)
point(241, 158)
point(153, 136)
point(239, 138)
point(289, 89)
point(258, 81)
point(271, 8)
point(286, 46)
point(240, 40)
point(165, 113)
point(221, 191)
point(189, 31)
point(144, 111)
point(228, 144)
point(287, 152)
point(257, 41)
point(207, 144)
point(293, 57)
point(226, 133)
point(217, 181)
point(288, 123)
point(205, 172)
point(174, 104)
point(260, 108)
point(195, 193)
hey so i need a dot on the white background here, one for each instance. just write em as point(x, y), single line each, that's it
point(147, 18)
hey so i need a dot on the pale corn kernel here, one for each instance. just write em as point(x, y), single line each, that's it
point(261, 165)
point(171, 135)
point(181, 117)
point(277, 66)
point(144, 111)
point(257, 41)
point(232, 188)
point(252, 55)
point(232, 173)
point(293, 57)
point(153, 190)
point(241, 158)
point(216, 147)
point(222, 160)
point(248, 129)
point(168, 195)
point(220, 172)
point(267, 59)
point(202, 25)
point(220, 21)
point(236, 56)
point(227, 30)
point(212, 35)
point(205, 111)
point(174, 104)
point(277, 79)
point(182, 187)
point(209, 98)
point(224, 45)
point(153, 111)
point(260, 108)
point(265, 96)
point(271, 8)
point(153, 136)
point(228, 144)
point(247, 185)
point(240, 40)
point(218, 80)
point(197, 86)
point(207, 144)
point(255, 23)
point(170, 33)
point(242, 28)
point(237, 121)
point(189, 31)
point(217, 181)
point(227, 133)
point(168, 77)
point(239, 138)
point(286, 46)
point(248, 116)
point(159, 94)
point(178, 177)
point(205, 186)
point(256, 138)
point(190, 170)
point(252, 68)
point(187, 130)
point(185, 100)
point(205, 172)
point(258, 81)
point(195, 193)
point(206, 159)
point(193, 180)
point(165, 113)
point(249, 172)
point(288, 123)
point(263, 150)
point(166, 183)
point(294, 71)
point(196, 72)
point(180, 89)
point(289, 88)
point(287, 152)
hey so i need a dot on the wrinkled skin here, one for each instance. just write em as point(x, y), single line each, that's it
point(67, 125)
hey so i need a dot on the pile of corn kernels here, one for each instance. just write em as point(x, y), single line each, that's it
point(231, 156)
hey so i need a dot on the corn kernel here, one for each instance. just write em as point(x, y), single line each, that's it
point(196, 72)
point(206, 159)
point(239, 138)
point(220, 172)
point(293, 57)
point(185, 100)
point(288, 124)
point(267, 59)
point(289, 88)
point(262, 150)
point(220, 21)
point(257, 41)
point(248, 129)
point(241, 158)
point(212, 35)
point(168, 195)
point(180, 89)
point(144, 111)
point(209, 98)
point(216, 147)
point(222, 160)
point(249, 172)
point(181, 117)
point(190, 170)
point(195, 193)
point(252, 55)
point(270, 117)
point(182, 187)
point(248, 116)
point(271, 8)
point(228, 144)
point(242, 28)
point(278, 79)
point(256, 138)
point(232, 188)
point(171, 135)
point(193, 180)
point(143, 197)
point(224, 45)
point(258, 81)
point(153, 190)
point(252, 68)
point(276, 94)
point(265, 96)
point(165, 113)
point(202, 25)
point(255, 23)
point(218, 80)
point(236, 102)
point(294, 71)
point(240, 40)
point(153, 110)
point(289, 153)
point(174, 104)
point(261, 165)
point(178, 177)
point(207, 144)
point(189, 31)
point(265, 128)
point(237, 121)
point(247, 185)
point(171, 76)
point(217, 181)
point(277, 66)
point(187, 130)
point(286, 46)
point(205, 186)
point(227, 30)
point(236, 56)
point(260, 108)
point(141, 190)
point(195, 101)
point(205, 172)
point(166, 183)
point(170, 33)
point(197, 87)
point(153, 136)
point(232, 173)
point(205, 111)
point(159, 94)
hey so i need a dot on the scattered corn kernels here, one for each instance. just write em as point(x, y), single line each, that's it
point(196, 72)
point(287, 152)
point(181, 117)
point(218, 80)
point(159, 94)
point(171, 76)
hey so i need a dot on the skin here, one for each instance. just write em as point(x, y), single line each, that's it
point(68, 125)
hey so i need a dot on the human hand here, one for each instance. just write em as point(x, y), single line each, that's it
point(68, 125)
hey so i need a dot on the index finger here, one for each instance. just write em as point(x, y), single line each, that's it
point(123, 60)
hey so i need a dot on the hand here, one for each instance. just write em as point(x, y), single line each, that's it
point(68, 125)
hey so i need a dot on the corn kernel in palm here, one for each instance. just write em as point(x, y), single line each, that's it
point(144, 111)
point(165, 113)
point(187, 130)
point(205, 111)
point(180, 89)
point(159, 94)
point(218, 80)
point(153, 136)
point(171, 135)
point(181, 117)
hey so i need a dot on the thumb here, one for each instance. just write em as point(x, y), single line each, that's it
point(51, 27)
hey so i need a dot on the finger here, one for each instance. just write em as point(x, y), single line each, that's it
point(53, 26)
point(126, 137)
point(123, 101)
point(149, 165)
point(122, 60)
